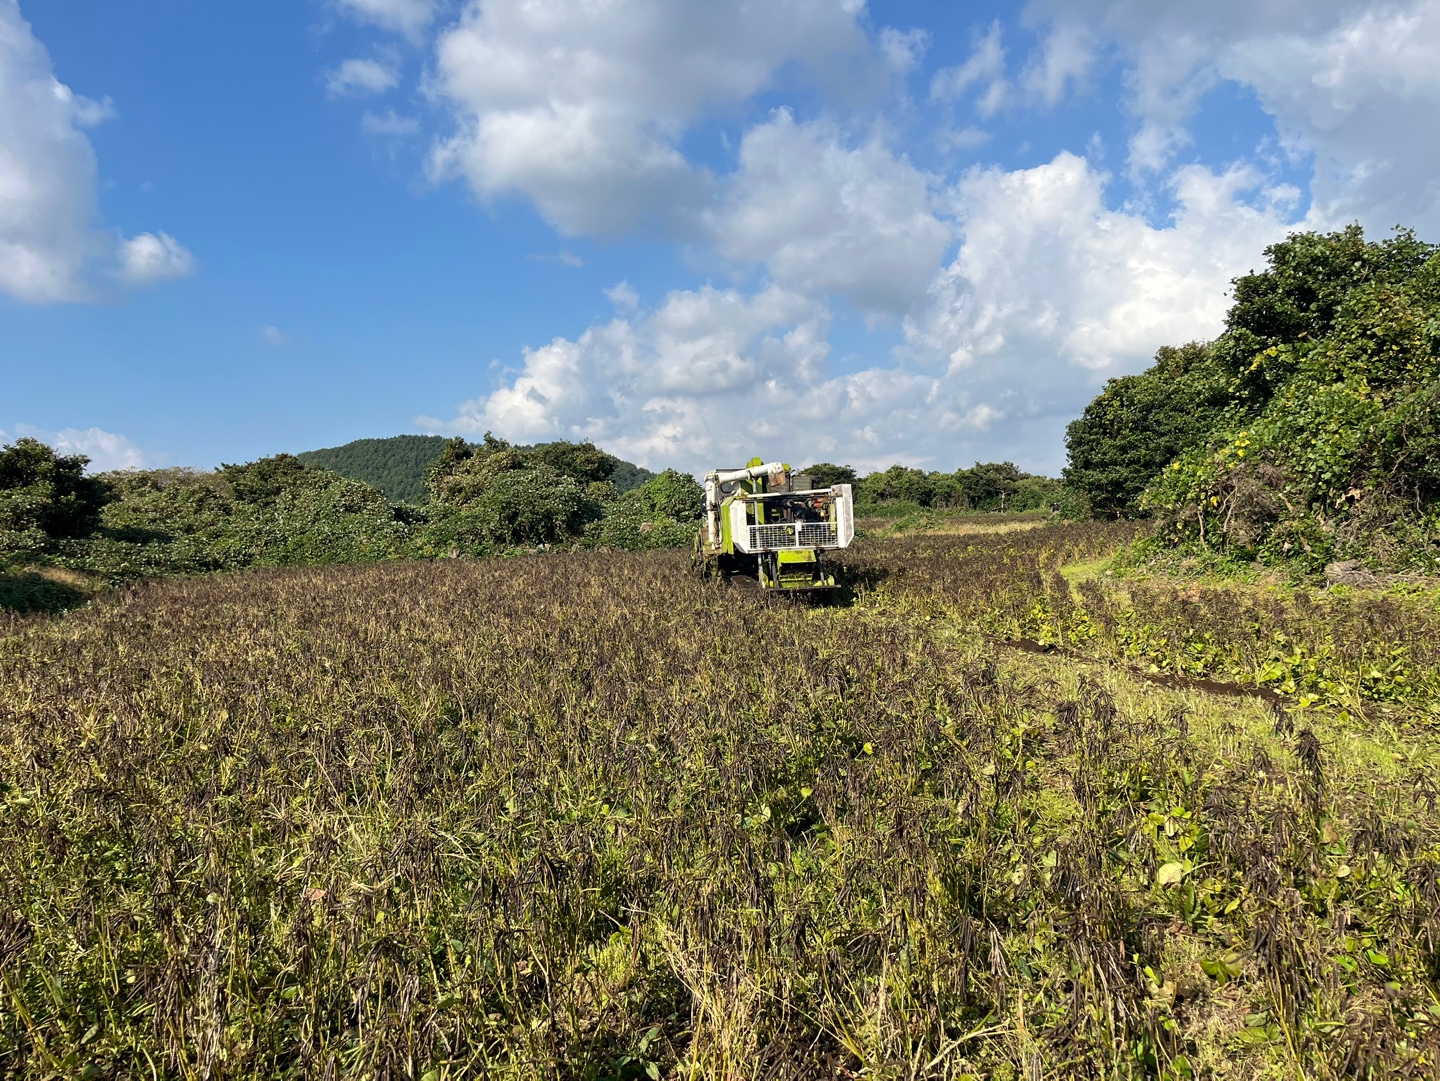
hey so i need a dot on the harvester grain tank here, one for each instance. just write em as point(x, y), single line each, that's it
point(768, 522)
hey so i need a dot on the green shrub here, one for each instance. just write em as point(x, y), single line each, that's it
point(673, 495)
point(824, 474)
point(985, 486)
point(273, 512)
point(1339, 461)
point(45, 496)
point(496, 495)
point(523, 507)
point(664, 512)
point(1139, 424)
point(898, 484)
point(629, 527)
point(1307, 432)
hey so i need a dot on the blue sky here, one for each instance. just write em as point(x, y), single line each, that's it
point(909, 231)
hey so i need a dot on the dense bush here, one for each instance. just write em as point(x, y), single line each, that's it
point(1307, 432)
point(672, 495)
point(514, 506)
point(584, 463)
point(1138, 425)
point(485, 498)
point(495, 495)
point(462, 469)
point(272, 512)
point(664, 512)
point(898, 484)
point(45, 497)
point(824, 474)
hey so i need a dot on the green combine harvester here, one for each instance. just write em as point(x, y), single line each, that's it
point(769, 523)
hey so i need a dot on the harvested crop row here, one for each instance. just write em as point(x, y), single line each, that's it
point(1365, 655)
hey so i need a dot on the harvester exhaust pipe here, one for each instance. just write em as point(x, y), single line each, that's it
point(769, 469)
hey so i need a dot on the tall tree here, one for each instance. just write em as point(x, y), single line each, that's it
point(45, 496)
point(1139, 423)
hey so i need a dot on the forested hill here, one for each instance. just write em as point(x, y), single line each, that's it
point(396, 465)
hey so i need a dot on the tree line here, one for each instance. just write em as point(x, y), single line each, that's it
point(986, 486)
point(482, 499)
point(475, 498)
point(396, 465)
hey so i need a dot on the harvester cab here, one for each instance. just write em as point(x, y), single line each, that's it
point(770, 523)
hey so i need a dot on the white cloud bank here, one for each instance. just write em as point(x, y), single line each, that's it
point(1050, 293)
point(47, 173)
point(693, 381)
point(106, 450)
point(827, 217)
point(48, 236)
point(1046, 271)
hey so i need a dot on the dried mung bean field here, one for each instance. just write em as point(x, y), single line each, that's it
point(584, 816)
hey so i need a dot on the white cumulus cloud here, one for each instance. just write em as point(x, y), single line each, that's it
point(715, 376)
point(581, 106)
point(1020, 291)
point(49, 240)
point(47, 173)
point(679, 383)
point(153, 257)
point(1363, 97)
point(828, 216)
point(1050, 293)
